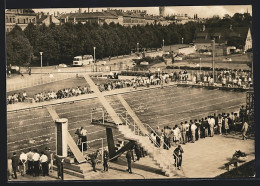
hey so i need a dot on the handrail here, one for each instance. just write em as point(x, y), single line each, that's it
point(177, 158)
point(147, 125)
point(149, 136)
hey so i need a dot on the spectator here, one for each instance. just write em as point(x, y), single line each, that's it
point(105, 160)
point(244, 130)
point(30, 161)
point(44, 164)
point(36, 163)
point(23, 160)
point(129, 157)
point(15, 164)
point(178, 152)
point(193, 130)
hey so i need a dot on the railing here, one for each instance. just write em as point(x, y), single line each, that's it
point(102, 147)
point(127, 122)
point(177, 158)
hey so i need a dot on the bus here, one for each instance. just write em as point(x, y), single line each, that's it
point(83, 60)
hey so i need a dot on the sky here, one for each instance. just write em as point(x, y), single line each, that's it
point(202, 11)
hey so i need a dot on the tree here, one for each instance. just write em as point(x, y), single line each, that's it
point(19, 50)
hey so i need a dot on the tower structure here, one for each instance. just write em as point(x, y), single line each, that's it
point(162, 11)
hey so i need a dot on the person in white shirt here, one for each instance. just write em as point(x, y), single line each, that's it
point(211, 125)
point(30, 161)
point(193, 130)
point(83, 134)
point(44, 163)
point(23, 160)
point(36, 159)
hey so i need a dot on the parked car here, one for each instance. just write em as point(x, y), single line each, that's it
point(63, 65)
point(227, 59)
point(177, 58)
point(144, 63)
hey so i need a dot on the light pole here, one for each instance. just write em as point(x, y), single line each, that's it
point(200, 65)
point(94, 54)
point(137, 47)
point(41, 65)
point(163, 43)
point(213, 59)
point(182, 40)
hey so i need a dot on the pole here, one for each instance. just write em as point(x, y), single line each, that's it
point(200, 65)
point(252, 73)
point(41, 66)
point(213, 60)
point(94, 55)
point(182, 40)
point(163, 44)
point(102, 152)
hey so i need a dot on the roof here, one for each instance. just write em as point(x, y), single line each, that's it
point(43, 17)
point(225, 33)
point(88, 15)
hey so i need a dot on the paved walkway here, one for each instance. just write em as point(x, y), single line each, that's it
point(203, 159)
point(206, 158)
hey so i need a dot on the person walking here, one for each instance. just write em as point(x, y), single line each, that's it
point(129, 157)
point(30, 161)
point(15, 164)
point(178, 152)
point(44, 164)
point(244, 130)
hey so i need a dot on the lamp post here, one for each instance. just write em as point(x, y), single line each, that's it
point(41, 65)
point(163, 43)
point(213, 59)
point(182, 40)
point(200, 65)
point(94, 54)
point(137, 47)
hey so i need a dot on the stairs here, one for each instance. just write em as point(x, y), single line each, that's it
point(160, 156)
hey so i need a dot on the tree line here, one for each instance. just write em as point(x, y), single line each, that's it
point(60, 43)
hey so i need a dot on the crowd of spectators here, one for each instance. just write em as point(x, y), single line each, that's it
point(15, 98)
point(62, 93)
point(228, 78)
point(193, 130)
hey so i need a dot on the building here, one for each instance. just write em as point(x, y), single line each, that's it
point(225, 39)
point(20, 17)
point(46, 19)
point(162, 11)
point(248, 42)
point(124, 18)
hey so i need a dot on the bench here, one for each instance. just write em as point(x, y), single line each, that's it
point(234, 162)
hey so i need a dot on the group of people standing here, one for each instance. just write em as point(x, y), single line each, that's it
point(31, 163)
